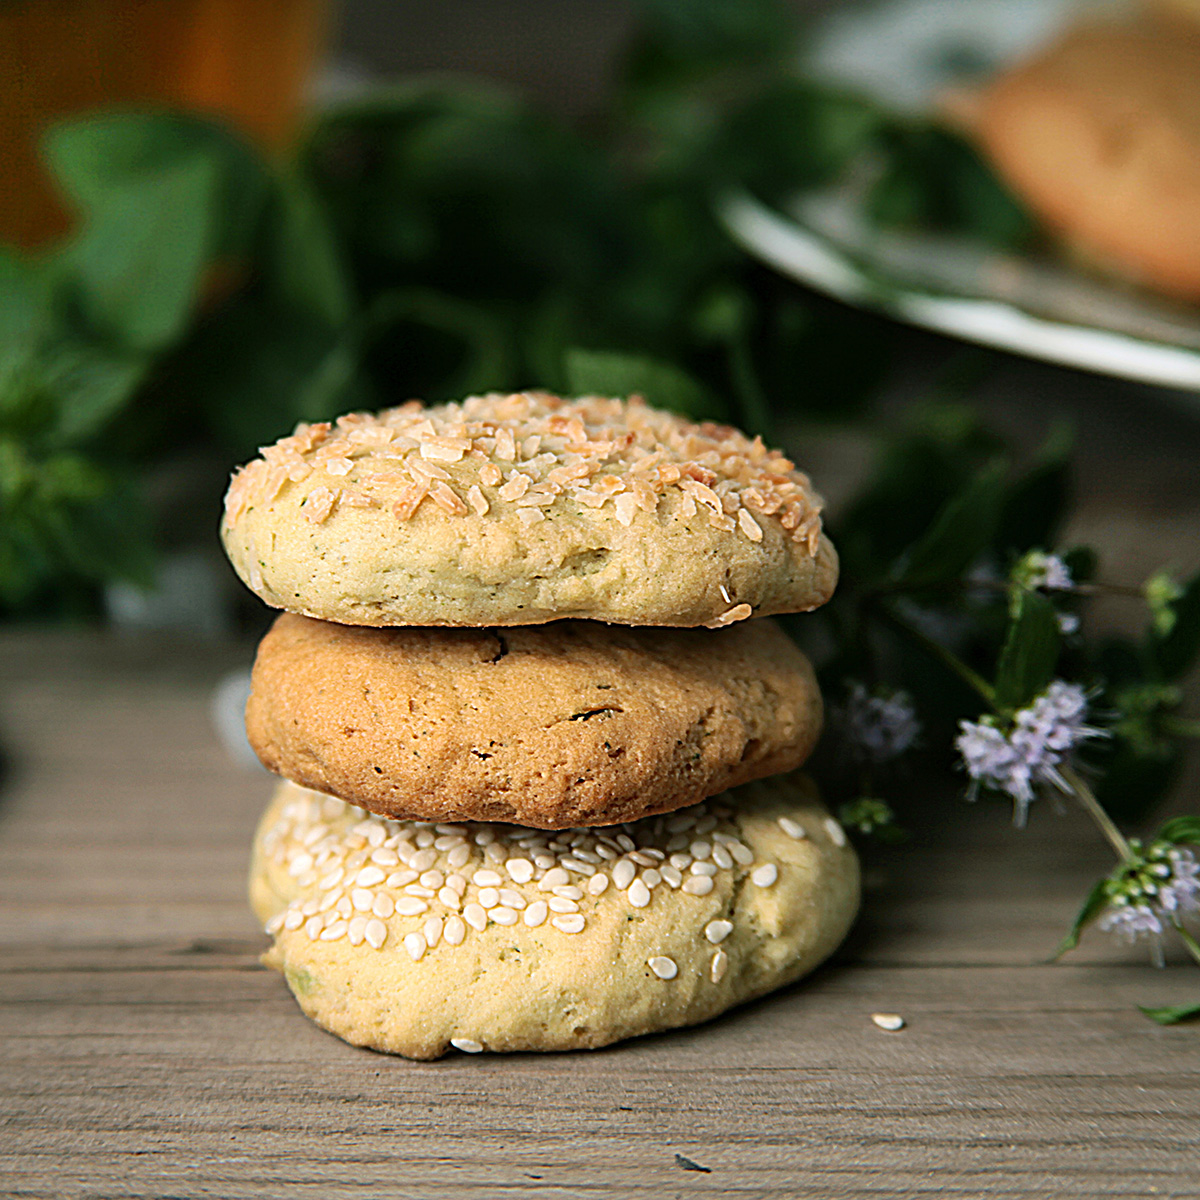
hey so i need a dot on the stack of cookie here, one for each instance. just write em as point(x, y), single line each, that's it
point(506, 820)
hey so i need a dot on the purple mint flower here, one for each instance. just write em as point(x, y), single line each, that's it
point(1046, 571)
point(1030, 752)
point(1180, 891)
point(877, 728)
point(1131, 921)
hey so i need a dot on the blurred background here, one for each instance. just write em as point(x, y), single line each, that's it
point(222, 217)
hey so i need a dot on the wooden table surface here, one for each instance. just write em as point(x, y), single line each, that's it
point(146, 1052)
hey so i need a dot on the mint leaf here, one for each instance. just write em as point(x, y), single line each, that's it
point(1093, 906)
point(660, 383)
point(961, 531)
point(1183, 831)
point(137, 262)
point(1172, 1014)
point(1030, 652)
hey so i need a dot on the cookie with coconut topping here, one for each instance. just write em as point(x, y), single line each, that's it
point(414, 938)
point(526, 508)
point(570, 723)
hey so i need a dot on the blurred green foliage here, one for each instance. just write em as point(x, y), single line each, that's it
point(430, 240)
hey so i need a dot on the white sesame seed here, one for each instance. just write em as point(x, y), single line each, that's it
point(331, 933)
point(275, 924)
point(837, 835)
point(425, 839)
point(698, 885)
point(544, 860)
point(568, 891)
point(376, 932)
point(574, 923)
point(578, 866)
point(623, 873)
point(294, 919)
point(467, 1045)
point(356, 931)
point(671, 875)
point(369, 877)
point(432, 879)
point(459, 856)
point(552, 879)
point(450, 898)
point(722, 857)
point(411, 906)
point(703, 868)
point(415, 944)
point(511, 898)
point(311, 907)
point(700, 850)
point(765, 875)
point(503, 915)
point(536, 913)
point(720, 964)
point(520, 870)
point(792, 828)
point(328, 900)
point(652, 878)
point(343, 907)
point(485, 878)
point(313, 927)
point(423, 859)
point(454, 931)
point(626, 842)
point(642, 858)
point(662, 966)
point(489, 897)
point(495, 853)
point(300, 864)
point(706, 824)
point(384, 857)
point(681, 823)
point(362, 899)
point(383, 905)
point(605, 852)
point(432, 931)
point(475, 916)
point(457, 882)
point(638, 894)
point(332, 879)
point(560, 905)
point(892, 1022)
point(741, 853)
point(597, 884)
point(422, 893)
point(484, 837)
point(681, 862)
point(400, 878)
point(718, 931)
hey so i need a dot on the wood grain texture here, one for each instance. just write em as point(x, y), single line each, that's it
point(145, 1053)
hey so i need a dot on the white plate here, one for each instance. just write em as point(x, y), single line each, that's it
point(904, 53)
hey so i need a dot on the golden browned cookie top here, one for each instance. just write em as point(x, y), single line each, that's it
point(571, 723)
point(520, 509)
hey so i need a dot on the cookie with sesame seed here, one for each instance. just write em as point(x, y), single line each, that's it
point(570, 723)
point(415, 938)
point(521, 509)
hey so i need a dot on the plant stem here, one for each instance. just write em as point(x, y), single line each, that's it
point(1093, 808)
point(1183, 727)
point(951, 661)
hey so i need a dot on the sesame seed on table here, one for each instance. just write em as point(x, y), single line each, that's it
point(143, 1037)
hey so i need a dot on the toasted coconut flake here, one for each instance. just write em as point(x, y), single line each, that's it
point(749, 526)
point(319, 504)
point(445, 496)
point(477, 500)
point(739, 612)
point(409, 500)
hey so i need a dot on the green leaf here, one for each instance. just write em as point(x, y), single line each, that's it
point(1036, 504)
point(1093, 906)
point(91, 385)
point(1030, 652)
point(1175, 653)
point(960, 532)
point(660, 383)
point(1172, 1014)
point(138, 260)
point(1183, 831)
point(305, 267)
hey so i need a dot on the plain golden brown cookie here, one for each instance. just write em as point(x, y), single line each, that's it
point(521, 509)
point(570, 723)
point(1100, 135)
point(415, 938)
